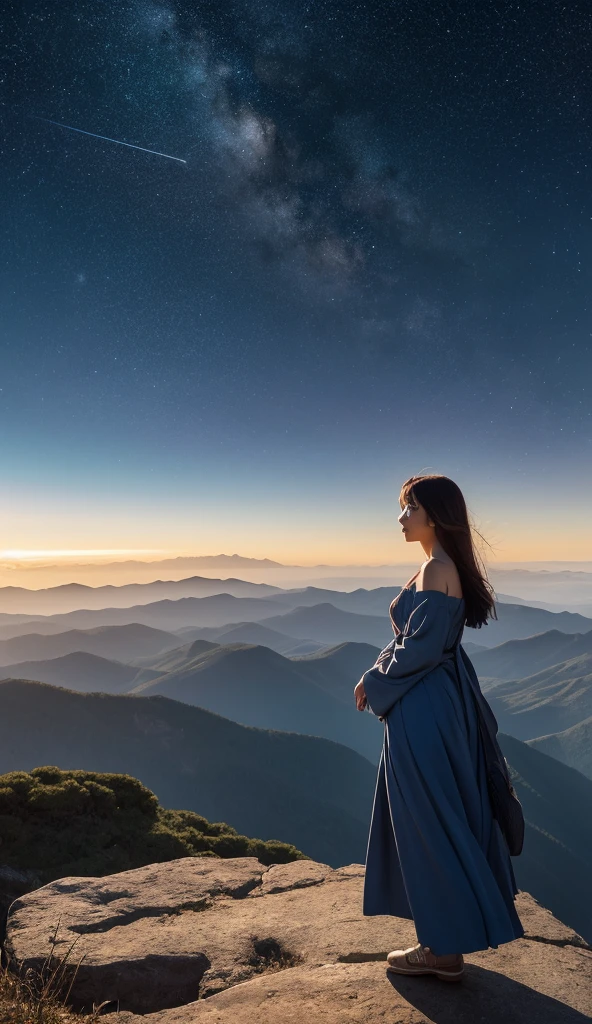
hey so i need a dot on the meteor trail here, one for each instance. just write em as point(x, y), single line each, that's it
point(69, 127)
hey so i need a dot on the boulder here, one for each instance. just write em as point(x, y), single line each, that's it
point(231, 940)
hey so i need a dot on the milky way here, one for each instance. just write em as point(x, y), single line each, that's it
point(380, 242)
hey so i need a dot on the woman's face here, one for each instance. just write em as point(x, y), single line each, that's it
point(414, 520)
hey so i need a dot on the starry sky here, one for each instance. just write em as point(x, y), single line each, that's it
point(374, 262)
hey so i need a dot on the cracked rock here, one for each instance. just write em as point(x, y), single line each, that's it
point(231, 940)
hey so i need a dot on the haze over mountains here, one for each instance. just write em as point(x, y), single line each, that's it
point(70, 596)
point(556, 585)
point(305, 615)
point(539, 682)
point(522, 642)
point(250, 684)
point(532, 654)
point(121, 642)
point(253, 633)
point(256, 686)
point(552, 699)
point(80, 671)
point(549, 701)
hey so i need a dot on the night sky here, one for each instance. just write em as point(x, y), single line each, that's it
point(375, 261)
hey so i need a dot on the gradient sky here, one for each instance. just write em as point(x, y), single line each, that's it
point(375, 262)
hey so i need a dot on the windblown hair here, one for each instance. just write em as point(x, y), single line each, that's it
point(445, 505)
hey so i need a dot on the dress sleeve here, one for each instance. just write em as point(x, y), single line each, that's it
point(386, 652)
point(412, 655)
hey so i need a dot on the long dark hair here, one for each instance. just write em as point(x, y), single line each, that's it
point(445, 505)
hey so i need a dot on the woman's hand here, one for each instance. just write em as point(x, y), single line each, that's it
point(360, 696)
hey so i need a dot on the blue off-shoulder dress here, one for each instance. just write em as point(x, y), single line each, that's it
point(435, 854)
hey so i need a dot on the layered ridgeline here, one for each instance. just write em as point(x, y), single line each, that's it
point(305, 791)
point(311, 614)
point(312, 694)
point(69, 597)
point(558, 590)
point(122, 643)
point(250, 684)
point(539, 685)
point(572, 746)
point(80, 670)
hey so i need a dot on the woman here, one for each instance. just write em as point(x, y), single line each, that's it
point(436, 854)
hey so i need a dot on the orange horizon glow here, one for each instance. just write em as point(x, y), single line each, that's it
point(36, 555)
point(536, 549)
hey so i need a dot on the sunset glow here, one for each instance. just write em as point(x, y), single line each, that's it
point(101, 553)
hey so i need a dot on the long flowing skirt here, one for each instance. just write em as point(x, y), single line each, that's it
point(435, 852)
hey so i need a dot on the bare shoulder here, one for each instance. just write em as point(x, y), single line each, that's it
point(436, 574)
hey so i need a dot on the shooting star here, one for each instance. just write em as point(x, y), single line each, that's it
point(117, 141)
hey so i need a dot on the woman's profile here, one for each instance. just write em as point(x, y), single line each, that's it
point(436, 854)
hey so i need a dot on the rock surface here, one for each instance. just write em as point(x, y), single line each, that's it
point(205, 939)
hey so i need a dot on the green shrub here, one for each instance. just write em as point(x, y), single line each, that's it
point(61, 823)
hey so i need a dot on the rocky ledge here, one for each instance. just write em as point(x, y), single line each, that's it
point(234, 942)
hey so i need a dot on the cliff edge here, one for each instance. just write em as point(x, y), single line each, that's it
point(231, 941)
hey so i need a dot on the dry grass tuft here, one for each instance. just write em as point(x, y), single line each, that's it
point(41, 996)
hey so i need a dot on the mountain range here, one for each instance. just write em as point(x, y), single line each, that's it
point(524, 657)
point(551, 700)
point(255, 686)
point(249, 684)
point(71, 596)
point(318, 622)
point(243, 679)
point(121, 643)
point(252, 633)
point(87, 673)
